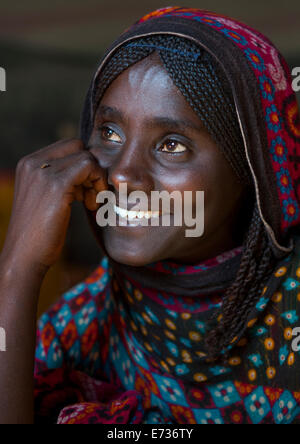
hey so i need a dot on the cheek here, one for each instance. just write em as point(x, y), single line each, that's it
point(219, 184)
point(222, 198)
point(183, 178)
point(103, 158)
point(191, 181)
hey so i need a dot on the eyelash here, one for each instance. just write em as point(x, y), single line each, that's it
point(167, 142)
point(105, 127)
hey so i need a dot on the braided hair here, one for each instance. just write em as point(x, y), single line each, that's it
point(206, 89)
point(256, 265)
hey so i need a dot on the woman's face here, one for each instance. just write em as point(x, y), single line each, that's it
point(146, 135)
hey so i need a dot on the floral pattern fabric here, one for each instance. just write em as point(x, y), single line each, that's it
point(109, 359)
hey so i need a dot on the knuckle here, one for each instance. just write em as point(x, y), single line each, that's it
point(25, 164)
point(78, 143)
point(86, 158)
point(41, 175)
point(55, 184)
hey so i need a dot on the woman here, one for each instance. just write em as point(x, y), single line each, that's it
point(168, 329)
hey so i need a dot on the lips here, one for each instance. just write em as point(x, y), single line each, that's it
point(131, 215)
point(125, 205)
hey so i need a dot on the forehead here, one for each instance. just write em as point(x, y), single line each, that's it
point(146, 89)
point(148, 73)
point(147, 76)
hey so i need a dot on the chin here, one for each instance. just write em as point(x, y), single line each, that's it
point(128, 258)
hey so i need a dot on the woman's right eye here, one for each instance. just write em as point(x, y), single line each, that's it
point(109, 134)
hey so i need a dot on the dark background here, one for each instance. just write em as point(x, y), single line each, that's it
point(50, 51)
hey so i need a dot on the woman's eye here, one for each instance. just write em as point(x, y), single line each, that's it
point(172, 146)
point(109, 134)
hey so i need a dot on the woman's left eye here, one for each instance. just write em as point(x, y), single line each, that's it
point(173, 146)
point(109, 134)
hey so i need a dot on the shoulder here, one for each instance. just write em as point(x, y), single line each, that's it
point(70, 329)
point(88, 293)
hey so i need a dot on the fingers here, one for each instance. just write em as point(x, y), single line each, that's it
point(74, 172)
point(78, 169)
point(79, 194)
point(81, 176)
point(30, 163)
point(90, 198)
point(60, 149)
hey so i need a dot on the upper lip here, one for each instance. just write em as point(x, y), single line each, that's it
point(130, 206)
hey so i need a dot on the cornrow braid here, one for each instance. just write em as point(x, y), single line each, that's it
point(207, 91)
point(257, 263)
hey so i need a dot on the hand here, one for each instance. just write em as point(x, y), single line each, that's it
point(43, 197)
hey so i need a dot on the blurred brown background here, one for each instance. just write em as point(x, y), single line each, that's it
point(49, 51)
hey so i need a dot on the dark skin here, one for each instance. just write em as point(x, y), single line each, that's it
point(136, 140)
point(43, 200)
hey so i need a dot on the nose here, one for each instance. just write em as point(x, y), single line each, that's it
point(130, 167)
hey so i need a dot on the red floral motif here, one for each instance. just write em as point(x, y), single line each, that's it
point(77, 303)
point(183, 415)
point(150, 381)
point(95, 276)
point(69, 335)
point(89, 338)
point(292, 118)
point(236, 417)
point(47, 335)
point(142, 388)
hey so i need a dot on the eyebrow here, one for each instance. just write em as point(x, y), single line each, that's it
point(109, 112)
point(163, 122)
point(179, 125)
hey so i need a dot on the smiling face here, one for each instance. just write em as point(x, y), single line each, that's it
point(146, 135)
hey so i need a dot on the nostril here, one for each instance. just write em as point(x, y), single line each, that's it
point(119, 175)
point(94, 151)
point(130, 172)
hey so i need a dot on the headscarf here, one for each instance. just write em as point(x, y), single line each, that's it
point(265, 102)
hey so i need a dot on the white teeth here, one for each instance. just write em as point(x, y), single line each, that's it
point(135, 214)
point(131, 214)
point(122, 212)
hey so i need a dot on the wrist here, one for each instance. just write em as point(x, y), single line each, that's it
point(13, 267)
